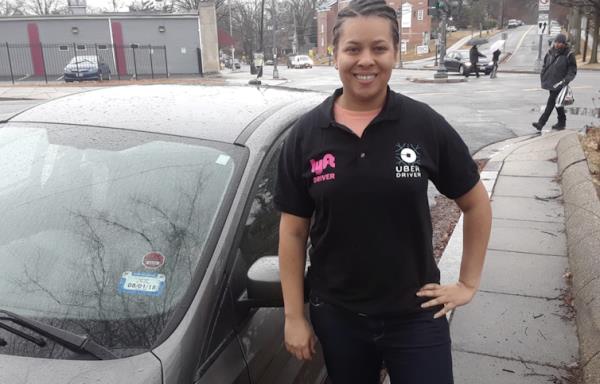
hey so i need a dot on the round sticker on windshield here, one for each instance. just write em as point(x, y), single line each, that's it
point(153, 260)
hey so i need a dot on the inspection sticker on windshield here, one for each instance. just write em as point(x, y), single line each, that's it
point(142, 283)
point(223, 159)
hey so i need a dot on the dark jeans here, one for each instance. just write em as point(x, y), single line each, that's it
point(415, 348)
point(562, 117)
point(474, 68)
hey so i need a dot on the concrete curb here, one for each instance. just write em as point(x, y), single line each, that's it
point(435, 81)
point(582, 221)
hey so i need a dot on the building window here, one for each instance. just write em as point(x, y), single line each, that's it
point(63, 48)
point(81, 47)
point(102, 47)
point(322, 41)
point(420, 13)
point(322, 28)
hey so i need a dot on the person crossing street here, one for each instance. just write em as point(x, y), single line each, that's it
point(474, 56)
point(559, 69)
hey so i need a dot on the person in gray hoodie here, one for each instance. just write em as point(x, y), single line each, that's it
point(560, 68)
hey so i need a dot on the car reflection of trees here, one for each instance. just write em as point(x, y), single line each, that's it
point(179, 234)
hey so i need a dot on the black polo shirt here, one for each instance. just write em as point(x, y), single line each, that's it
point(371, 234)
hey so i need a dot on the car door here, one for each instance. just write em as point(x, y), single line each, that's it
point(450, 62)
point(260, 331)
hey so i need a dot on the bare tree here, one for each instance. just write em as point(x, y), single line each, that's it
point(11, 8)
point(301, 14)
point(246, 24)
point(44, 7)
point(592, 8)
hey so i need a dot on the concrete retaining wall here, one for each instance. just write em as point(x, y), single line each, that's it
point(582, 220)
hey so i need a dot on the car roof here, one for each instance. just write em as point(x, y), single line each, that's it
point(219, 113)
point(86, 57)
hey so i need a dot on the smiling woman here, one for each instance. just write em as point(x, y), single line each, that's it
point(374, 295)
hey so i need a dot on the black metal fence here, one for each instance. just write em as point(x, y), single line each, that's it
point(55, 62)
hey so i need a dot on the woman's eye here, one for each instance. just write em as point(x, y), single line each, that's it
point(380, 49)
point(352, 50)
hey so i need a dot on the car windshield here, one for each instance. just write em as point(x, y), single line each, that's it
point(84, 60)
point(103, 230)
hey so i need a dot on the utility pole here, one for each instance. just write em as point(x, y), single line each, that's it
point(274, 14)
point(232, 49)
point(442, 6)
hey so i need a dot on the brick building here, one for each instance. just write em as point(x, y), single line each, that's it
point(415, 31)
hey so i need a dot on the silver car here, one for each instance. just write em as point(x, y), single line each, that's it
point(138, 238)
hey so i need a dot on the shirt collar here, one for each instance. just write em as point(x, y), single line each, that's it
point(390, 111)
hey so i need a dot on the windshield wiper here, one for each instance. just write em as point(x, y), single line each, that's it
point(37, 340)
point(70, 340)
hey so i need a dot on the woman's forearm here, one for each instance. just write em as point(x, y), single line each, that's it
point(292, 260)
point(476, 233)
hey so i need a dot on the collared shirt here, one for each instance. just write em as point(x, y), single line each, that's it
point(371, 233)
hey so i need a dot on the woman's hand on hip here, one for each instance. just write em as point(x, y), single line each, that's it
point(450, 296)
point(300, 340)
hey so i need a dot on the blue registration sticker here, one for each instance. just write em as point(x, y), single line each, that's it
point(142, 283)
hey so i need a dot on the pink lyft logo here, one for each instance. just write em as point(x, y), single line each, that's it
point(317, 166)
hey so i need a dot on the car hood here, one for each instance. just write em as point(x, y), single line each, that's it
point(82, 67)
point(142, 369)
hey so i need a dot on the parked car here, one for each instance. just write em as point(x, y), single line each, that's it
point(458, 61)
point(513, 23)
point(86, 68)
point(451, 28)
point(300, 61)
point(138, 238)
point(269, 62)
point(236, 63)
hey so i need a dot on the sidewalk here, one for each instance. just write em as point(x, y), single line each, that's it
point(518, 329)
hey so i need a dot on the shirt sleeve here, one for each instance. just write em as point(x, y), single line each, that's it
point(456, 171)
point(291, 191)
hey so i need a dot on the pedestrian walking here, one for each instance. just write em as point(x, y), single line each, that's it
point(353, 175)
point(474, 56)
point(559, 69)
point(495, 59)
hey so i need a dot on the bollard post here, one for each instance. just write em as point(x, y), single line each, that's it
point(44, 62)
point(12, 76)
point(151, 64)
point(135, 74)
point(166, 61)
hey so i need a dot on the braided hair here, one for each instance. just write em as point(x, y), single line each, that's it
point(357, 8)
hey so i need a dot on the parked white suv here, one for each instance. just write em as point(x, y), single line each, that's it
point(300, 61)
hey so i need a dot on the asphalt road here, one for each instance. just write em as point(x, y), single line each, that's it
point(482, 110)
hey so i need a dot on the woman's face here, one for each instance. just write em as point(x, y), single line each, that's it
point(365, 57)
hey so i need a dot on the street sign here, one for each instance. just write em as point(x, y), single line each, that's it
point(406, 15)
point(544, 5)
point(543, 23)
point(422, 49)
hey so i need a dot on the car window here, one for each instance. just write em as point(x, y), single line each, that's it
point(102, 230)
point(261, 232)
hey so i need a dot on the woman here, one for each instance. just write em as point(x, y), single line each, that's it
point(354, 171)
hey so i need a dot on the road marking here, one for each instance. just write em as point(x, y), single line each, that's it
point(433, 94)
point(520, 43)
point(532, 89)
point(583, 87)
point(490, 91)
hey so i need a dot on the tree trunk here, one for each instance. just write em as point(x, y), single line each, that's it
point(594, 58)
point(577, 26)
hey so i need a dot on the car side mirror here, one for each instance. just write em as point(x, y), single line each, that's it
point(263, 285)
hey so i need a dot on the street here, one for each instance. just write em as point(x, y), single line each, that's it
point(482, 110)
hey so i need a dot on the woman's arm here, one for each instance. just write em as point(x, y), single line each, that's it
point(477, 211)
point(293, 234)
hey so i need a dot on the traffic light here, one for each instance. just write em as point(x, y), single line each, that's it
point(434, 7)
